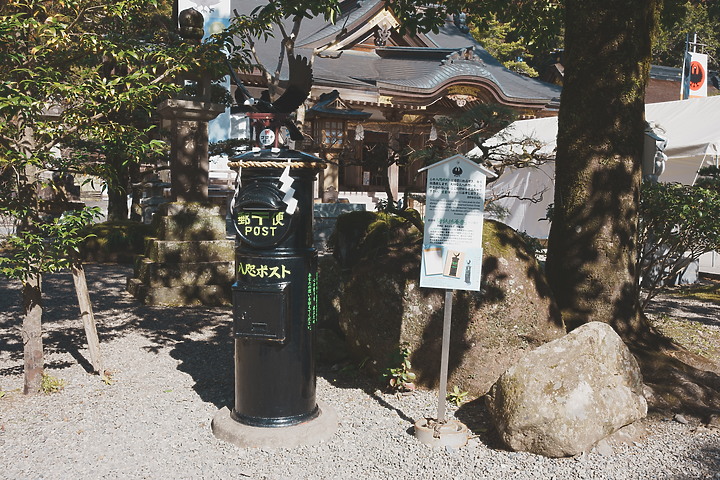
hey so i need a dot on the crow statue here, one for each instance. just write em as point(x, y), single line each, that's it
point(297, 90)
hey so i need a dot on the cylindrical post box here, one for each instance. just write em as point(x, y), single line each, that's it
point(275, 293)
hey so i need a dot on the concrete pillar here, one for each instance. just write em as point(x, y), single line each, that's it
point(189, 169)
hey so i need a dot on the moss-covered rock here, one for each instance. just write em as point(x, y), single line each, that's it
point(382, 307)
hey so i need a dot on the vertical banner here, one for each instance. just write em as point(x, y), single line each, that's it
point(695, 76)
point(454, 212)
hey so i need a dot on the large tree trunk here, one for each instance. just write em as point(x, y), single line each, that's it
point(31, 333)
point(593, 238)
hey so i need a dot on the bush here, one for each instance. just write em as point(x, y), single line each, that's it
point(366, 235)
point(115, 242)
point(678, 223)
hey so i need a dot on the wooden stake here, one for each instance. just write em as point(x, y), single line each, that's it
point(88, 319)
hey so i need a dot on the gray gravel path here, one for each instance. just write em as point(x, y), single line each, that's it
point(172, 371)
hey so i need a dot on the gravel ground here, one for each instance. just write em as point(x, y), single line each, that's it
point(172, 370)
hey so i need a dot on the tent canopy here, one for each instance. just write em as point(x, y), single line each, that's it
point(691, 128)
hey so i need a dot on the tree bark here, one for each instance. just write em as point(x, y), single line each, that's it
point(593, 237)
point(117, 194)
point(31, 333)
point(88, 318)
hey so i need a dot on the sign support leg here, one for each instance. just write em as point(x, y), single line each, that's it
point(445, 355)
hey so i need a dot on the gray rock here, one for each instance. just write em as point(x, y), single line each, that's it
point(565, 396)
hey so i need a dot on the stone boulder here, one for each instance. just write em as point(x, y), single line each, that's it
point(381, 306)
point(565, 396)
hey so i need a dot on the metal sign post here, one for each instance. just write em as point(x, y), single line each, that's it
point(444, 357)
point(452, 260)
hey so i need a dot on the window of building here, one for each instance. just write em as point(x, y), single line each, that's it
point(330, 133)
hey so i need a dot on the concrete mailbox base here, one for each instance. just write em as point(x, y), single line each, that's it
point(314, 431)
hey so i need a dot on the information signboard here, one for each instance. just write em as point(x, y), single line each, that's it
point(452, 240)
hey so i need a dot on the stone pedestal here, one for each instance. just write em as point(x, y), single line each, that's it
point(190, 262)
point(189, 147)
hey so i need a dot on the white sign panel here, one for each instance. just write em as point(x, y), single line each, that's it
point(452, 241)
point(695, 76)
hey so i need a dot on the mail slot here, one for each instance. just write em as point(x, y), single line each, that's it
point(261, 314)
point(275, 292)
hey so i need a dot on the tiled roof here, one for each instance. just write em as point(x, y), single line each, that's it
point(404, 69)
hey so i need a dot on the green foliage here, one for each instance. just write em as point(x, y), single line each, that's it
point(680, 18)
point(457, 396)
point(398, 376)
point(462, 132)
point(367, 235)
point(503, 43)
point(526, 28)
point(115, 241)
point(678, 223)
point(51, 384)
point(709, 177)
point(46, 246)
point(533, 244)
point(414, 15)
point(79, 80)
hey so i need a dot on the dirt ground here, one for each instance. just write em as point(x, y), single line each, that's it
point(692, 323)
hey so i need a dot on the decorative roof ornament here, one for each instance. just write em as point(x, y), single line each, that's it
point(382, 35)
point(466, 54)
point(461, 100)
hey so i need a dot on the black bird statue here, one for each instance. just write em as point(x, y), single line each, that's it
point(297, 90)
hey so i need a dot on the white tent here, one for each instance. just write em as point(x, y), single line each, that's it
point(691, 128)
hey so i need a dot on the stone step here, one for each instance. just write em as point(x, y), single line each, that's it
point(188, 226)
point(187, 295)
point(156, 274)
point(186, 251)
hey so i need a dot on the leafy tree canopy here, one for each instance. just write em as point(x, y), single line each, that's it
point(680, 19)
point(73, 72)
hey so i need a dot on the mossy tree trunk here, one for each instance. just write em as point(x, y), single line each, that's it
point(593, 238)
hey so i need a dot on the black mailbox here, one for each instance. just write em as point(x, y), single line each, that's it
point(275, 293)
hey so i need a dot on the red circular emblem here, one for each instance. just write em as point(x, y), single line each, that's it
point(697, 76)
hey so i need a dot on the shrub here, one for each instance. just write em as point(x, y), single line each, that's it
point(116, 242)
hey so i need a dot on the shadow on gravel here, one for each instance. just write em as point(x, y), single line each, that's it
point(475, 416)
point(706, 313)
point(198, 337)
point(706, 463)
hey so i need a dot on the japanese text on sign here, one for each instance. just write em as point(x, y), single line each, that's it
point(452, 240)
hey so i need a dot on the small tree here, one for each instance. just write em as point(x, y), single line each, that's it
point(55, 90)
point(678, 223)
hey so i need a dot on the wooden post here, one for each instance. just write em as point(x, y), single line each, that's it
point(88, 318)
